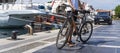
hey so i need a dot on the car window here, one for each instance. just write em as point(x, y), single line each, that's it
point(103, 13)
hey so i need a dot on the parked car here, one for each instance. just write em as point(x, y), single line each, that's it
point(103, 17)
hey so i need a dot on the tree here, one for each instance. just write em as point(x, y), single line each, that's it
point(117, 11)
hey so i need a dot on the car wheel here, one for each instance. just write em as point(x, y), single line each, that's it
point(110, 23)
point(98, 23)
point(95, 23)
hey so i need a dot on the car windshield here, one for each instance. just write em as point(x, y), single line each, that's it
point(103, 13)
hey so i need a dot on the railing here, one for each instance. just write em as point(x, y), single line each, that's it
point(17, 6)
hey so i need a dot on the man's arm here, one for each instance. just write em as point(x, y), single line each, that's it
point(71, 5)
point(81, 6)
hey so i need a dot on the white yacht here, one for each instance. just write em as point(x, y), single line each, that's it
point(17, 15)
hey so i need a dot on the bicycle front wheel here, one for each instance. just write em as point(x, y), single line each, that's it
point(62, 35)
point(85, 31)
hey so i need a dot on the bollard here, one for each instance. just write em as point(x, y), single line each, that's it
point(32, 25)
point(30, 29)
point(14, 35)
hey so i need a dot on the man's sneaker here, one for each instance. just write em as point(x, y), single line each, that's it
point(71, 44)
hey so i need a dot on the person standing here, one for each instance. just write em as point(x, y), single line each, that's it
point(75, 5)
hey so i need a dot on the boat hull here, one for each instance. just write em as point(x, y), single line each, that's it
point(11, 22)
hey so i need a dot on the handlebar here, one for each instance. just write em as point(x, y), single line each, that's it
point(84, 11)
point(81, 11)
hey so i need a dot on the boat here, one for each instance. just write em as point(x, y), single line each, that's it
point(17, 15)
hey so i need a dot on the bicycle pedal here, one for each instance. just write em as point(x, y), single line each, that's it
point(76, 23)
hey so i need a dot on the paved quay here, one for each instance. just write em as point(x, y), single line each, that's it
point(105, 39)
point(25, 42)
point(28, 43)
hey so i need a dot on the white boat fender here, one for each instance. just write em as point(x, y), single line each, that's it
point(30, 29)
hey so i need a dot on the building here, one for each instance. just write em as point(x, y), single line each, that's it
point(101, 10)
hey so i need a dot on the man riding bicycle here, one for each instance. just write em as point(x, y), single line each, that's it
point(75, 5)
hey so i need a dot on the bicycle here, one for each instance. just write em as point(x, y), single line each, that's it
point(82, 30)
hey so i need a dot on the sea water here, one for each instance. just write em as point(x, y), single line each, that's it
point(7, 32)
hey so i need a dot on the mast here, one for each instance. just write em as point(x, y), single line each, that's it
point(53, 3)
point(3, 1)
point(21, 1)
point(31, 3)
point(13, 1)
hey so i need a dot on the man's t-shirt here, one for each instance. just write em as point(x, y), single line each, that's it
point(75, 4)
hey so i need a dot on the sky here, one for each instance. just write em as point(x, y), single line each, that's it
point(103, 4)
point(97, 4)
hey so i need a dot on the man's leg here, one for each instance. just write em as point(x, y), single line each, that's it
point(74, 21)
point(70, 42)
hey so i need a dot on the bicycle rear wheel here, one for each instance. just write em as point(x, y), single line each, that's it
point(85, 31)
point(63, 35)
